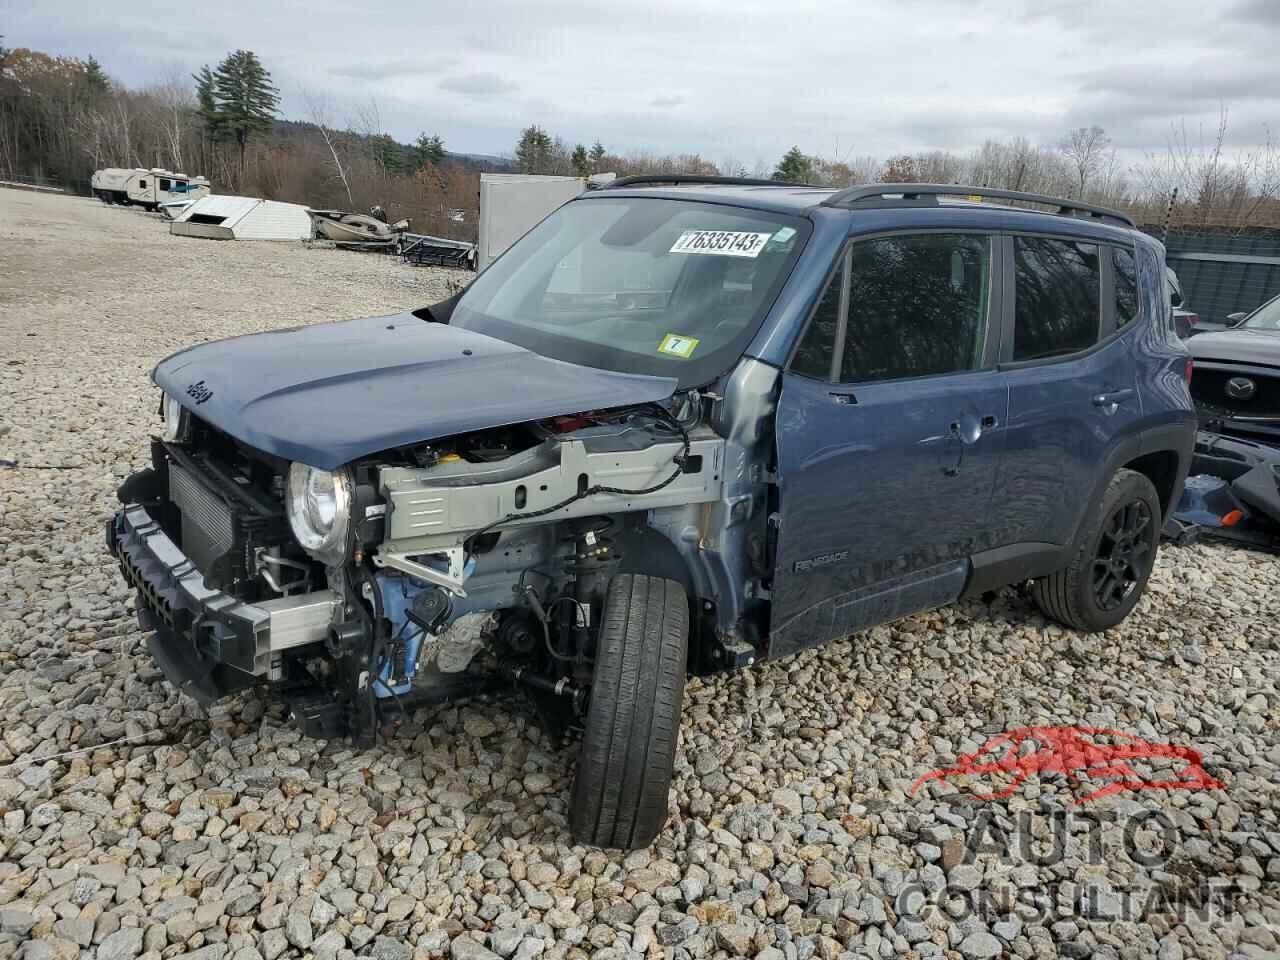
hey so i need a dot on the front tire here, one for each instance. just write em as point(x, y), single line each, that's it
point(624, 769)
point(1112, 562)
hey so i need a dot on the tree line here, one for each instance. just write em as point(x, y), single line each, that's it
point(63, 117)
point(1195, 183)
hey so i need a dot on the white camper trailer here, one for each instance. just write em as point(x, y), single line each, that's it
point(146, 188)
point(513, 203)
point(242, 218)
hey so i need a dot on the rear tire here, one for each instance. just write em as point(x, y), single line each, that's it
point(1112, 561)
point(624, 769)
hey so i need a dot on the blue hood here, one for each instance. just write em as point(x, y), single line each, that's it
point(330, 393)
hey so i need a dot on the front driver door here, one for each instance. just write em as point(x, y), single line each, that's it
point(890, 426)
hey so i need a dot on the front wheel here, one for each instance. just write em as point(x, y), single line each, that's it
point(1112, 561)
point(624, 770)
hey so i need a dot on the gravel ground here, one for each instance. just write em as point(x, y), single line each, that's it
point(134, 824)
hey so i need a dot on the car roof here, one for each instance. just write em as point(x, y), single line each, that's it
point(799, 199)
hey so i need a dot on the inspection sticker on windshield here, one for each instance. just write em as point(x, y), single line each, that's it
point(722, 243)
point(677, 345)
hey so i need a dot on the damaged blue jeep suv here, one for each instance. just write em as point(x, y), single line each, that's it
point(681, 426)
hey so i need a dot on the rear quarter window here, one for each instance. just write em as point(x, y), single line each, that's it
point(1155, 289)
point(1128, 305)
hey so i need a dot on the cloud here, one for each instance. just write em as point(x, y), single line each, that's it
point(391, 69)
point(477, 85)
point(723, 78)
point(1264, 12)
point(1187, 83)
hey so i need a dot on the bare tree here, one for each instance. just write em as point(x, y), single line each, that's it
point(841, 169)
point(318, 111)
point(1086, 148)
point(177, 104)
point(1216, 188)
point(383, 151)
point(121, 130)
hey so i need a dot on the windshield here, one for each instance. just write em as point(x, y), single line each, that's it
point(1266, 317)
point(638, 284)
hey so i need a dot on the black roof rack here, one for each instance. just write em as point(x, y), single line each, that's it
point(675, 179)
point(927, 194)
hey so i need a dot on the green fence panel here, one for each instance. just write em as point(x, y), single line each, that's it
point(1222, 274)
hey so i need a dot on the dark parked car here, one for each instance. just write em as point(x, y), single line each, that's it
point(679, 426)
point(1236, 384)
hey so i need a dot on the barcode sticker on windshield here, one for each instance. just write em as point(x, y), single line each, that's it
point(722, 243)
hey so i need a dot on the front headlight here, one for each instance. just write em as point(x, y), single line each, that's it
point(172, 411)
point(319, 509)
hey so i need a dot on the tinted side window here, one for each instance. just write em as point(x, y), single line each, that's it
point(917, 306)
point(813, 356)
point(1058, 295)
point(1125, 281)
point(164, 184)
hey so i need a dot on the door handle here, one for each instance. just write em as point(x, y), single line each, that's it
point(1113, 397)
point(968, 430)
point(846, 398)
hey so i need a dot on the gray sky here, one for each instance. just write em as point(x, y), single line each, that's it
point(723, 78)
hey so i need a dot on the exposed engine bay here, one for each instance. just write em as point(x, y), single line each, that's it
point(484, 555)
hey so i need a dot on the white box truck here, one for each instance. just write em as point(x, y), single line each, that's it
point(146, 188)
point(512, 203)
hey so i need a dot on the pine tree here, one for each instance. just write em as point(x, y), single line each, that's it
point(428, 150)
point(206, 104)
point(533, 151)
point(597, 156)
point(581, 162)
point(95, 80)
point(386, 153)
point(246, 100)
point(794, 167)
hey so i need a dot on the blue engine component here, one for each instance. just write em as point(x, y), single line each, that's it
point(1206, 500)
point(405, 646)
point(406, 636)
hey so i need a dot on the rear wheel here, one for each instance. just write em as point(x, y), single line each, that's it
point(624, 770)
point(1112, 562)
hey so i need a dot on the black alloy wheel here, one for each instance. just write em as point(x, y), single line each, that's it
point(1124, 554)
point(1111, 559)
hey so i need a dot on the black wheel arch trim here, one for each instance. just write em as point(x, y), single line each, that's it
point(1016, 562)
point(1179, 438)
point(1013, 563)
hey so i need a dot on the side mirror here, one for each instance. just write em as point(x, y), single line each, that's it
point(1175, 297)
point(1237, 318)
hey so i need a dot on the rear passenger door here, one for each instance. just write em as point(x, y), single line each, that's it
point(1068, 353)
point(889, 428)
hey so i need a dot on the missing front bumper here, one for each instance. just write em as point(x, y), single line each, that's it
point(208, 643)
